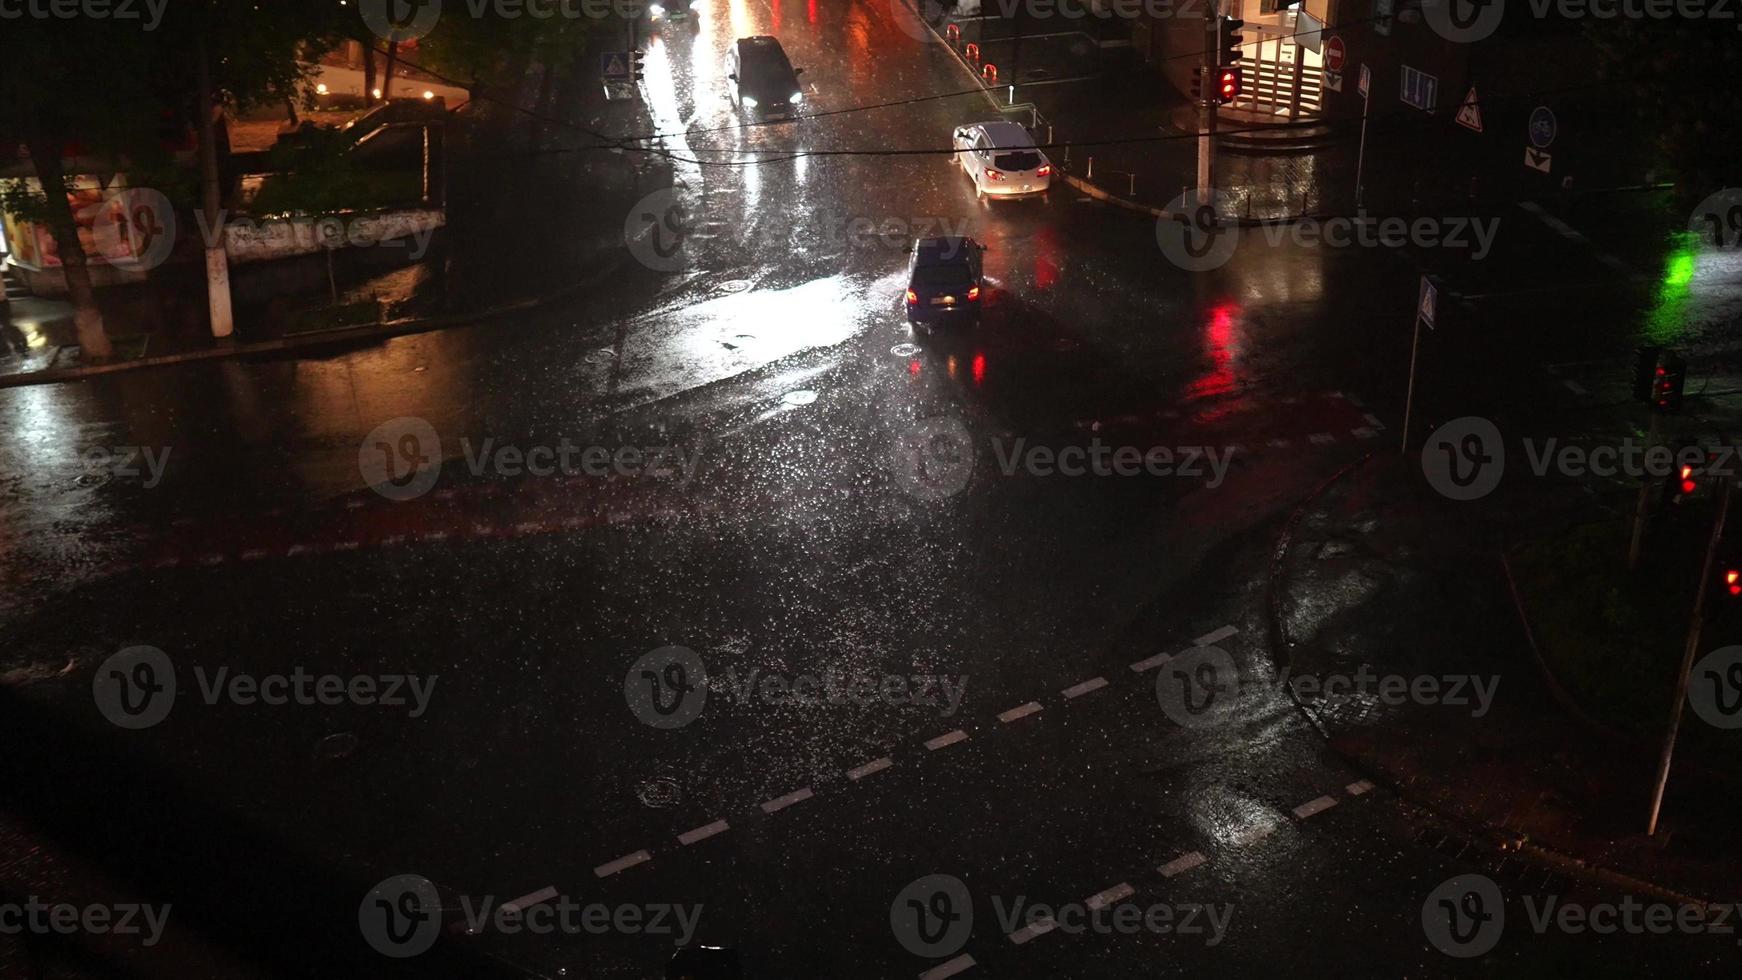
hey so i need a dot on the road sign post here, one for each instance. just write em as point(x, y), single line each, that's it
point(1366, 88)
point(1426, 310)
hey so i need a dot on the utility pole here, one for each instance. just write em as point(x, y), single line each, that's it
point(1696, 623)
point(1641, 505)
point(211, 201)
point(1206, 103)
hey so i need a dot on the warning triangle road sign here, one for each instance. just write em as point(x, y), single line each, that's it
point(1470, 113)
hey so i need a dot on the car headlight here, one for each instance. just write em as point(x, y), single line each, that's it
point(797, 97)
point(656, 10)
point(749, 101)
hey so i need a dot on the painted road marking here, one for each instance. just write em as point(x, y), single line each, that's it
point(1278, 443)
point(1574, 386)
point(1092, 684)
point(1180, 865)
point(1373, 420)
point(1359, 787)
point(1020, 711)
point(874, 766)
point(1215, 636)
point(1151, 663)
point(1256, 832)
point(946, 740)
point(1363, 433)
point(702, 833)
point(1032, 930)
point(782, 802)
point(539, 897)
point(1311, 807)
point(1321, 438)
point(948, 969)
point(622, 863)
point(1118, 893)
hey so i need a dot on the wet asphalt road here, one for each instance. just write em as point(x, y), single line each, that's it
point(822, 531)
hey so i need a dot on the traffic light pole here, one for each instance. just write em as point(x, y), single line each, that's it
point(1409, 397)
point(1696, 623)
point(1206, 106)
point(1643, 503)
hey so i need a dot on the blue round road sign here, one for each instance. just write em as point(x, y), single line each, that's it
point(1542, 127)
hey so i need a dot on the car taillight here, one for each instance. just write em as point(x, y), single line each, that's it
point(1045, 171)
point(973, 292)
point(912, 297)
point(994, 175)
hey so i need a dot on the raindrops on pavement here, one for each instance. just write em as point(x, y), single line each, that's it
point(660, 792)
point(803, 396)
point(904, 350)
point(338, 745)
point(735, 286)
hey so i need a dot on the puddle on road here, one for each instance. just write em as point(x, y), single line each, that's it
point(660, 792)
point(803, 396)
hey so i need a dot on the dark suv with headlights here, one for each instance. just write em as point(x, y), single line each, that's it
point(764, 82)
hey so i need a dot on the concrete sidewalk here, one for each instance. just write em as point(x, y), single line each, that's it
point(1379, 574)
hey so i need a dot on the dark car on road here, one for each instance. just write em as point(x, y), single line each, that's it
point(764, 82)
point(944, 280)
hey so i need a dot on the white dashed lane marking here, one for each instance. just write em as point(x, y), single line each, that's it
point(1118, 893)
point(539, 897)
point(945, 740)
point(1574, 387)
point(1033, 929)
point(622, 863)
point(1321, 439)
point(1215, 636)
point(702, 833)
point(1311, 807)
point(948, 969)
point(1019, 712)
point(1360, 787)
point(782, 802)
point(874, 766)
point(1180, 865)
point(1078, 690)
point(1151, 663)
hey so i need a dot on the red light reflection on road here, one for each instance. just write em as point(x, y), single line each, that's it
point(1219, 341)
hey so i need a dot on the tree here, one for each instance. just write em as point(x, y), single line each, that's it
point(1681, 79)
point(68, 98)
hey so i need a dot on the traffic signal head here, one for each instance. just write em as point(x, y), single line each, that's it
point(637, 64)
point(1732, 579)
point(1198, 83)
point(1667, 380)
point(1227, 85)
point(1229, 31)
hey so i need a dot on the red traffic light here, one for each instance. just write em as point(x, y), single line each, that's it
point(1733, 581)
point(1688, 485)
point(1227, 84)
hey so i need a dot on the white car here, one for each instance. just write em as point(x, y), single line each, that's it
point(1001, 159)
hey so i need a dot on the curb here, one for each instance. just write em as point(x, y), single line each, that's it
point(1505, 840)
point(325, 338)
